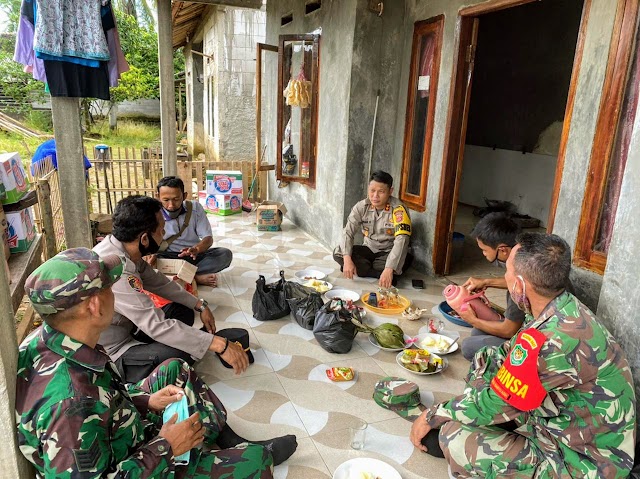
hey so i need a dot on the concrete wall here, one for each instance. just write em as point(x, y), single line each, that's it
point(527, 183)
point(320, 211)
point(356, 64)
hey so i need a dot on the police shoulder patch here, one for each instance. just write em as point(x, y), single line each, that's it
point(135, 283)
point(401, 221)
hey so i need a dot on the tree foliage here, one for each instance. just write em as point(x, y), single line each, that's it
point(139, 45)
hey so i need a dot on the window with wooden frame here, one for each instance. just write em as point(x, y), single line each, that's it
point(611, 142)
point(421, 103)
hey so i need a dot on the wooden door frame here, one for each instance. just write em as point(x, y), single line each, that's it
point(457, 123)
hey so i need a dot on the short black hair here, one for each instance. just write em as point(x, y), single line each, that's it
point(170, 182)
point(545, 261)
point(134, 215)
point(381, 177)
point(496, 229)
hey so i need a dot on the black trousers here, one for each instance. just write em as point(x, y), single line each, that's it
point(369, 264)
point(211, 261)
point(139, 361)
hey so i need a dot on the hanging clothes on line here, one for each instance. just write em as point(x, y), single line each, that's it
point(83, 64)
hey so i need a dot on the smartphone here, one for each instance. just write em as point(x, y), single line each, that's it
point(417, 283)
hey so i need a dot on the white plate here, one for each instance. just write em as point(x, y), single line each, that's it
point(352, 469)
point(328, 285)
point(374, 341)
point(434, 348)
point(445, 363)
point(342, 294)
point(309, 273)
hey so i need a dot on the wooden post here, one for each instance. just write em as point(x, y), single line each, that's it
point(167, 89)
point(184, 173)
point(46, 213)
point(75, 208)
point(180, 107)
point(13, 462)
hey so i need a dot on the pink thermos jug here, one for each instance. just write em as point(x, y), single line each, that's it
point(460, 299)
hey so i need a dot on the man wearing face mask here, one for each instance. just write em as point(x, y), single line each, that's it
point(557, 400)
point(496, 235)
point(142, 336)
point(188, 234)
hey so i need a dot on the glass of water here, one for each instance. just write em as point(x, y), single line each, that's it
point(358, 435)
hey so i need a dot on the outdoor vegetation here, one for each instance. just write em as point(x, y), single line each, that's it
point(136, 26)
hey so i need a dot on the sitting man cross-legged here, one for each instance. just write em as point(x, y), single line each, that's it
point(555, 401)
point(77, 418)
point(187, 232)
point(142, 336)
point(386, 227)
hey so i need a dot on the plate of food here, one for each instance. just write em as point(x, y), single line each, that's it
point(436, 343)
point(392, 304)
point(365, 468)
point(374, 341)
point(421, 361)
point(307, 274)
point(343, 294)
point(319, 285)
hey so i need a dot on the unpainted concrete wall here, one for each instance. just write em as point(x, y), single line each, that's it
point(320, 211)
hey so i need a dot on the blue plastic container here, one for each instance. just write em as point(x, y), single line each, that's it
point(445, 309)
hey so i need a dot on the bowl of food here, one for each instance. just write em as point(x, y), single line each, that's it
point(421, 361)
point(365, 468)
point(436, 343)
point(308, 274)
point(343, 294)
point(385, 302)
point(319, 285)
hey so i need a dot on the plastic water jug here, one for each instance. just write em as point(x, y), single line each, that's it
point(460, 299)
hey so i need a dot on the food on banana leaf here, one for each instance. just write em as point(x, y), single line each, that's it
point(420, 361)
point(388, 335)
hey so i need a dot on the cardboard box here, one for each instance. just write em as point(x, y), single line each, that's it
point(224, 183)
point(177, 267)
point(224, 205)
point(269, 215)
point(21, 231)
point(14, 178)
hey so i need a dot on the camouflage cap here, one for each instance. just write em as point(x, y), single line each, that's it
point(69, 278)
point(400, 396)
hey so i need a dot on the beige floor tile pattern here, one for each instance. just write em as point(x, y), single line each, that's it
point(286, 390)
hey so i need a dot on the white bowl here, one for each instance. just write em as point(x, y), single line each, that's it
point(342, 294)
point(354, 467)
point(307, 274)
point(433, 347)
point(445, 363)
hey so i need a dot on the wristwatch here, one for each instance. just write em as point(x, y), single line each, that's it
point(200, 309)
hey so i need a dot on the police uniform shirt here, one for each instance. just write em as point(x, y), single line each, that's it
point(133, 308)
point(387, 230)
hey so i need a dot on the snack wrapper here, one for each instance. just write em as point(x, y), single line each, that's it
point(340, 374)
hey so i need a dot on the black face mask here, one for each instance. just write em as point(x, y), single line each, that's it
point(153, 247)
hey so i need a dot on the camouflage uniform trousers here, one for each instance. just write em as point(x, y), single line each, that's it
point(245, 461)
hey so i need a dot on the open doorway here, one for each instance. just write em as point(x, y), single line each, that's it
point(511, 103)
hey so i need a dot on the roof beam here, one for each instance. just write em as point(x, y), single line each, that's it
point(256, 4)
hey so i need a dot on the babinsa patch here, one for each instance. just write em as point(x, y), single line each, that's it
point(517, 382)
point(135, 283)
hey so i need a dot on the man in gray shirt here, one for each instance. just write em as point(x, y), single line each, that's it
point(142, 336)
point(188, 232)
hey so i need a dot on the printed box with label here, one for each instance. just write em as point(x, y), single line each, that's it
point(224, 183)
point(21, 230)
point(177, 267)
point(4, 234)
point(14, 178)
point(223, 205)
point(269, 215)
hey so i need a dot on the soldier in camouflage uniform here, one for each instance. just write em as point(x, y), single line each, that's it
point(75, 416)
point(556, 401)
point(386, 226)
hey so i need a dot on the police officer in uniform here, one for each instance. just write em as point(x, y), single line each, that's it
point(386, 227)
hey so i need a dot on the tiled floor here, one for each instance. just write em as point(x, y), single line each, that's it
point(286, 390)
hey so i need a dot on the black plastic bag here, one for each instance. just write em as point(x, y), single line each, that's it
point(333, 328)
point(269, 299)
point(303, 310)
